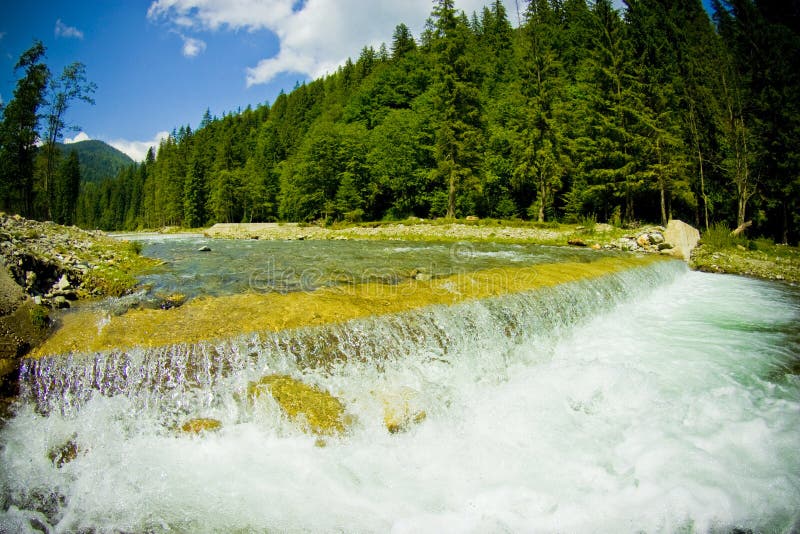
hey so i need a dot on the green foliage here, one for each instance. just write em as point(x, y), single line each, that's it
point(98, 160)
point(40, 317)
point(66, 184)
point(718, 236)
point(135, 247)
point(19, 133)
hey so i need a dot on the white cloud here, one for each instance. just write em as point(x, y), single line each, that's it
point(192, 46)
point(82, 136)
point(62, 30)
point(315, 38)
point(137, 150)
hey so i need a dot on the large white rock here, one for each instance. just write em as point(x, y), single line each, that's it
point(683, 238)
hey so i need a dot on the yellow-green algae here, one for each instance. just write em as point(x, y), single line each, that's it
point(316, 410)
point(221, 317)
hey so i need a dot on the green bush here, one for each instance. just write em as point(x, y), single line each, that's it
point(39, 317)
point(135, 247)
point(719, 236)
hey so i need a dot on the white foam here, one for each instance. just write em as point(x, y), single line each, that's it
point(655, 416)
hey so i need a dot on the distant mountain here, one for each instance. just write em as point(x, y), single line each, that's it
point(98, 160)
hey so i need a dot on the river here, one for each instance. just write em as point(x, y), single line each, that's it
point(650, 400)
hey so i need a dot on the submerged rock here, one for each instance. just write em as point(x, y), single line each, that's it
point(64, 454)
point(174, 300)
point(316, 410)
point(399, 412)
point(201, 424)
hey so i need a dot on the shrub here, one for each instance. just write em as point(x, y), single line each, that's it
point(39, 317)
point(719, 236)
point(135, 247)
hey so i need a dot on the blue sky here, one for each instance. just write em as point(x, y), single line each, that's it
point(158, 64)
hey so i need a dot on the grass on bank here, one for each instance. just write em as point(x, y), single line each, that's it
point(722, 252)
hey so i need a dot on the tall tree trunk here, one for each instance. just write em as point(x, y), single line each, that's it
point(542, 196)
point(661, 186)
point(698, 149)
point(785, 223)
point(451, 194)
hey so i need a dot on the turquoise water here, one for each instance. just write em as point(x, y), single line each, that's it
point(654, 400)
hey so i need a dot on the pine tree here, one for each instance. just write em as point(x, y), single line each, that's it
point(194, 194)
point(71, 85)
point(402, 41)
point(65, 190)
point(19, 133)
point(541, 152)
point(457, 103)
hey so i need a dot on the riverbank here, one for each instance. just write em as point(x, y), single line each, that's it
point(46, 266)
point(766, 261)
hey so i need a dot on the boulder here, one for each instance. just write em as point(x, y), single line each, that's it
point(204, 248)
point(683, 238)
point(63, 283)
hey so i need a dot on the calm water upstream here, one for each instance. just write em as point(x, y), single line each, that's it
point(251, 265)
point(653, 400)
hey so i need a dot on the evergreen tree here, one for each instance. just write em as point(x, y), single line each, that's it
point(402, 41)
point(457, 103)
point(65, 190)
point(71, 85)
point(194, 194)
point(541, 151)
point(19, 133)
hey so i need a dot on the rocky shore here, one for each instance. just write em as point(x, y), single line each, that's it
point(649, 239)
point(45, 266)
point(772, 262)
point(645, 239)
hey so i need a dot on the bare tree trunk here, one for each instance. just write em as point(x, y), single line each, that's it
point(741, 228)
point(738, 139)
point(696, 137)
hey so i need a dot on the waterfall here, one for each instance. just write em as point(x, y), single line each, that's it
point(648, 400)
point(178, 376)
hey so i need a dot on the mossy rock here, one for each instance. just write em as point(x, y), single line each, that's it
point(316, 410)
point(201, 424)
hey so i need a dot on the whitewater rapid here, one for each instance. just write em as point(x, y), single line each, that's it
point(653, 401)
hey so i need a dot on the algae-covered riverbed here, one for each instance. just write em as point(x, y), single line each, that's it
point(239, 287)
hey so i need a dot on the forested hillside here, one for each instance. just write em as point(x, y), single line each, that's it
point(581, 112)
point(98, 160)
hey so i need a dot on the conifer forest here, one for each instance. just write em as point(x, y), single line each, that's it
point(567, 110)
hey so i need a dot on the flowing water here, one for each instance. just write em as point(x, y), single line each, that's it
point(650, 400)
